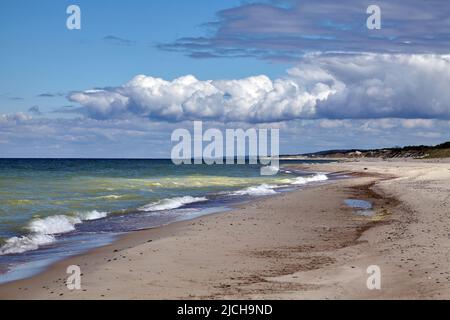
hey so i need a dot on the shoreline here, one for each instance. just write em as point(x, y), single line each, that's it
point(30, 242)
point(304, 244)
point(132, 235)
point(41, 266)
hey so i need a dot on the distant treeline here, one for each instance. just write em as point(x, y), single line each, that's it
point(439, 151)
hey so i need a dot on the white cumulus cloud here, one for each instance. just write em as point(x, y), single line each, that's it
point(365, 86)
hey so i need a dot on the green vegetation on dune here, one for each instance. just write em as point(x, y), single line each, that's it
point(439, 153)
point(417, 152)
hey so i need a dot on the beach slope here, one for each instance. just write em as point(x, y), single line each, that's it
point(306, 244)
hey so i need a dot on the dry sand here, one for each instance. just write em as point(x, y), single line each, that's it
point(302, 245)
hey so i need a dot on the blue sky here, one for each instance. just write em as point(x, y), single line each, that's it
point(311, 68)
point(40, 55)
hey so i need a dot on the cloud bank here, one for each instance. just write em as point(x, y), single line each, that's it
point(22, 135)
point(367, 86)
point(287, 29)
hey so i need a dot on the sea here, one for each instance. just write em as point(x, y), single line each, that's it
point(51, 209)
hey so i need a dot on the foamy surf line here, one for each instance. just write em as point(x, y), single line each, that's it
point(44, 230)
point(315, 178)
point(171, 203)
point(261, 190)
point(267, 189)
point(49, 230)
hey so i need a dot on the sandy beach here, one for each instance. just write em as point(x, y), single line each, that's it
point(306, 244)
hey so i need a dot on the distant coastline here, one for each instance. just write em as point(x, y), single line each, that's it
point(415, 152)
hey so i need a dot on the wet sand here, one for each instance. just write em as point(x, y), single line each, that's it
point(305, 244)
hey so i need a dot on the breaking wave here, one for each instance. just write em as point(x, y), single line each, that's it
point(43, 231)
point(171, 203)
point(260, 190)
point(305, 180)
point(92, 215)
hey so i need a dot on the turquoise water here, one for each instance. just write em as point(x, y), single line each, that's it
point(54, 208)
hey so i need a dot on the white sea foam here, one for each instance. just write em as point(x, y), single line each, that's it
point(305, 180)
point(25, 243)
point(53, 224)
point(43, 231)
point(171, 203)
point(92, 215)
point(260, 190)
point(110, 197)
